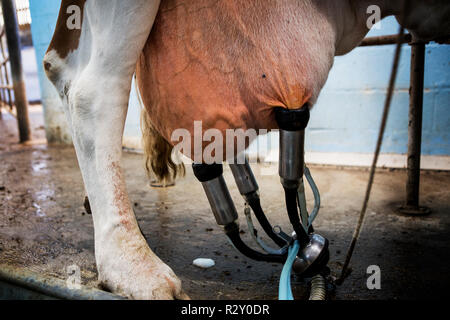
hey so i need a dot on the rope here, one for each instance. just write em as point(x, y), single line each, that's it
point(387, 106)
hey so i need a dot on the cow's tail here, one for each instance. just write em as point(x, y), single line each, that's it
point(157, 151)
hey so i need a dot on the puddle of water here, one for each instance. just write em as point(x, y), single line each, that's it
point(39, 211)
point(38, 166)
point(45, 195)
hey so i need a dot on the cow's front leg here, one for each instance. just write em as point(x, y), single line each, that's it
point(96, 106)
point(94, 82)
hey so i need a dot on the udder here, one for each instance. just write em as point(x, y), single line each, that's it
point(229, 63)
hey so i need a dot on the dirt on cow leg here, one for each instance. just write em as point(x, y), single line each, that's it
point(87, 205)
point(44, 226)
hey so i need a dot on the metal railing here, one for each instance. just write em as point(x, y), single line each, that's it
point(6, 87)
point(12, 85)
point(23, 14)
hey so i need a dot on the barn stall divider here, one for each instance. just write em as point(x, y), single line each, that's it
point(15, 84)
point(412, 203)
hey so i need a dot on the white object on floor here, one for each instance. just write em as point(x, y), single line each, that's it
point(204, 263)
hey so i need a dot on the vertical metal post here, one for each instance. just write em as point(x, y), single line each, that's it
point(15, 58)
point(415, 130)
point(415, 123)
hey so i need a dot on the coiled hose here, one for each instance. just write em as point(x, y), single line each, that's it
point(318, 288)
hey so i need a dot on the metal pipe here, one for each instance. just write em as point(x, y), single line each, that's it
point(292, 124)
point(292, 158)
point(245, 180)
point(415, 130)
point(415, 123)
point(222, 205)
point(15, 57)
point(385, 40)
point(21, 284)
point(220, 200)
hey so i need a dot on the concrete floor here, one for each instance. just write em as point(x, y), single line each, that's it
point(44, 227)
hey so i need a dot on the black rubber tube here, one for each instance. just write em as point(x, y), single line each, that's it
point(232, 232)
point(255, 203)
point(294, 218)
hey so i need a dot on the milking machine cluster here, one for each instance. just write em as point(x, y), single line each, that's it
point(305, 252)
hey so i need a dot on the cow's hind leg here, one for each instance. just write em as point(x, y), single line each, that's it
point(92, 71)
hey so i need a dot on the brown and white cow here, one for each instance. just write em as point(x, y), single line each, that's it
point(225, 62)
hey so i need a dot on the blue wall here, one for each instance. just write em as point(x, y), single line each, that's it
point(348, 112)
point(44, 14)
point(347, 115)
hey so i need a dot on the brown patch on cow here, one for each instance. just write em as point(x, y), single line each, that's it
point(47, 66)
point(65, 40)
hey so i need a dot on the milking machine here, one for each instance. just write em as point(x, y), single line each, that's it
point(304, 252)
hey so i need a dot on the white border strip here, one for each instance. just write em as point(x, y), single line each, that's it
point(365, 160)
point(397, 161)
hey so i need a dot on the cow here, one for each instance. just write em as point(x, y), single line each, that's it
point(225, 62)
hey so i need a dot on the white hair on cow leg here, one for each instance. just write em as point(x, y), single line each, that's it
point(93, 77)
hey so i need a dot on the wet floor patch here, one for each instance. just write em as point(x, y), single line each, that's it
point(44, 227)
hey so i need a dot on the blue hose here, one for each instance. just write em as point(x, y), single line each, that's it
point(285, 290)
